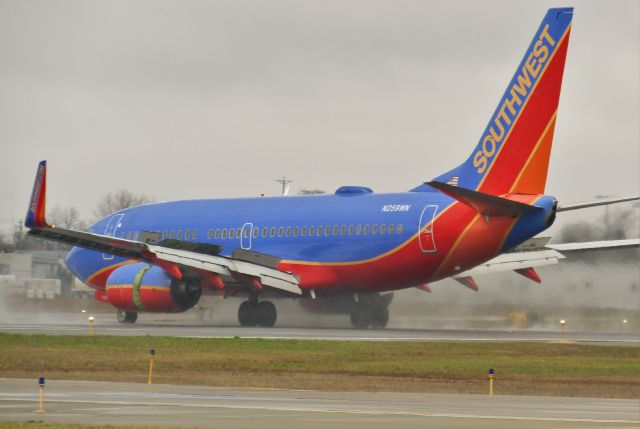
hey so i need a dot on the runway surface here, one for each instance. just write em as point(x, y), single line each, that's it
point(106, 325)
point(197, 406)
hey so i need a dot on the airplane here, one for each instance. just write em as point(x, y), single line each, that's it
point(351, 248)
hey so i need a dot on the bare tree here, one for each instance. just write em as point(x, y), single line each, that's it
point(66, 217)
point(119, 200)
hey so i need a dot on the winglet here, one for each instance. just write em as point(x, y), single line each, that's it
point(36, 212)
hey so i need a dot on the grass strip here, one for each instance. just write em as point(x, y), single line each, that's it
point(523, 368)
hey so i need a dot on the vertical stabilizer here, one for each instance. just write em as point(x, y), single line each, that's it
point(512, 155)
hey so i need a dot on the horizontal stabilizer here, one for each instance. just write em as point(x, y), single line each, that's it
point(485, 204)
point(594, 203)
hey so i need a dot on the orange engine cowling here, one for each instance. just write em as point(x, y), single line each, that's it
point(147, 287)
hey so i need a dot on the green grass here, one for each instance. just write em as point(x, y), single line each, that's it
point(521, 368)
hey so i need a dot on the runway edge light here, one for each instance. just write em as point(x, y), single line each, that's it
point(41, 395)
point(152, 357)
point(491, 377)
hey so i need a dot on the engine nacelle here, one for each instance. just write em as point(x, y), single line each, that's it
point(145, 287)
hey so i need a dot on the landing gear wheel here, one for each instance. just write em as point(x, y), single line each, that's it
point(247, 313)
point(266, 314)
point(379, 317)
point(360, 317)
point(125, 316)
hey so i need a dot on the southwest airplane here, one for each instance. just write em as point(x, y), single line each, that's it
point(354, 244)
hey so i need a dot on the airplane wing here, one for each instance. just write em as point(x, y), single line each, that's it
point(594, 203)
point(171, 255)
point(534, 253)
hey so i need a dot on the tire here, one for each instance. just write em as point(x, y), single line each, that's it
point(125, 316)
point(247, 314)
point(132, 316)
point(360, 317)
point(266, 314)
point(380, 316)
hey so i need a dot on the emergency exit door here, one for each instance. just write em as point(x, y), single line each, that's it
point(426, 236)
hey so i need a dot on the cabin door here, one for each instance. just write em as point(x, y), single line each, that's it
point(111, 231)
point(426, 235)
point(245, 236)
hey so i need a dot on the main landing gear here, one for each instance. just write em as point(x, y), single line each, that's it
point(371, 311)
point(126, 316)
point(254, 313)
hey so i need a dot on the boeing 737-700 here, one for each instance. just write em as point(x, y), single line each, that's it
point(355, 244)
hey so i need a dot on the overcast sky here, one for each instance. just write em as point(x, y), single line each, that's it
point(199, 99)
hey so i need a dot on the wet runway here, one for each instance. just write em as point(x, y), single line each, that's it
point(105, 324)
point(194, 406)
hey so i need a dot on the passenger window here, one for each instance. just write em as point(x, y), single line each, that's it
point(374, 229)
point(335, 229)
point(358, 229)
point(238, 232)
point(264, 231)
point(319, 231)
point(224, 233)
point(179, 236)
point(247, 231)
point(392, 228)
point(312, 231)
point(288, 231)
point(280, 231)
point(165, 234)
point(217, 234)
point(256, 230)
point(296, 231)
point(194, 234)
point(327, 230)
point(343, 229)
point(209, 233)
point(272, 232)
point(135, 236)
point(303, 231)
point(383, 228)
point(400, 228)
point(232, 232)
point(129, 235)
point(186, 234)
point(172, 235)
point(366, 229)
point(350, 229)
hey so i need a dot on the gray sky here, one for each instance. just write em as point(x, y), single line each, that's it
point(195, 99)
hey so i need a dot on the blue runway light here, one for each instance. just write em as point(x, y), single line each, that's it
point(152, 352)
point(491, 371)
point(41, 381)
